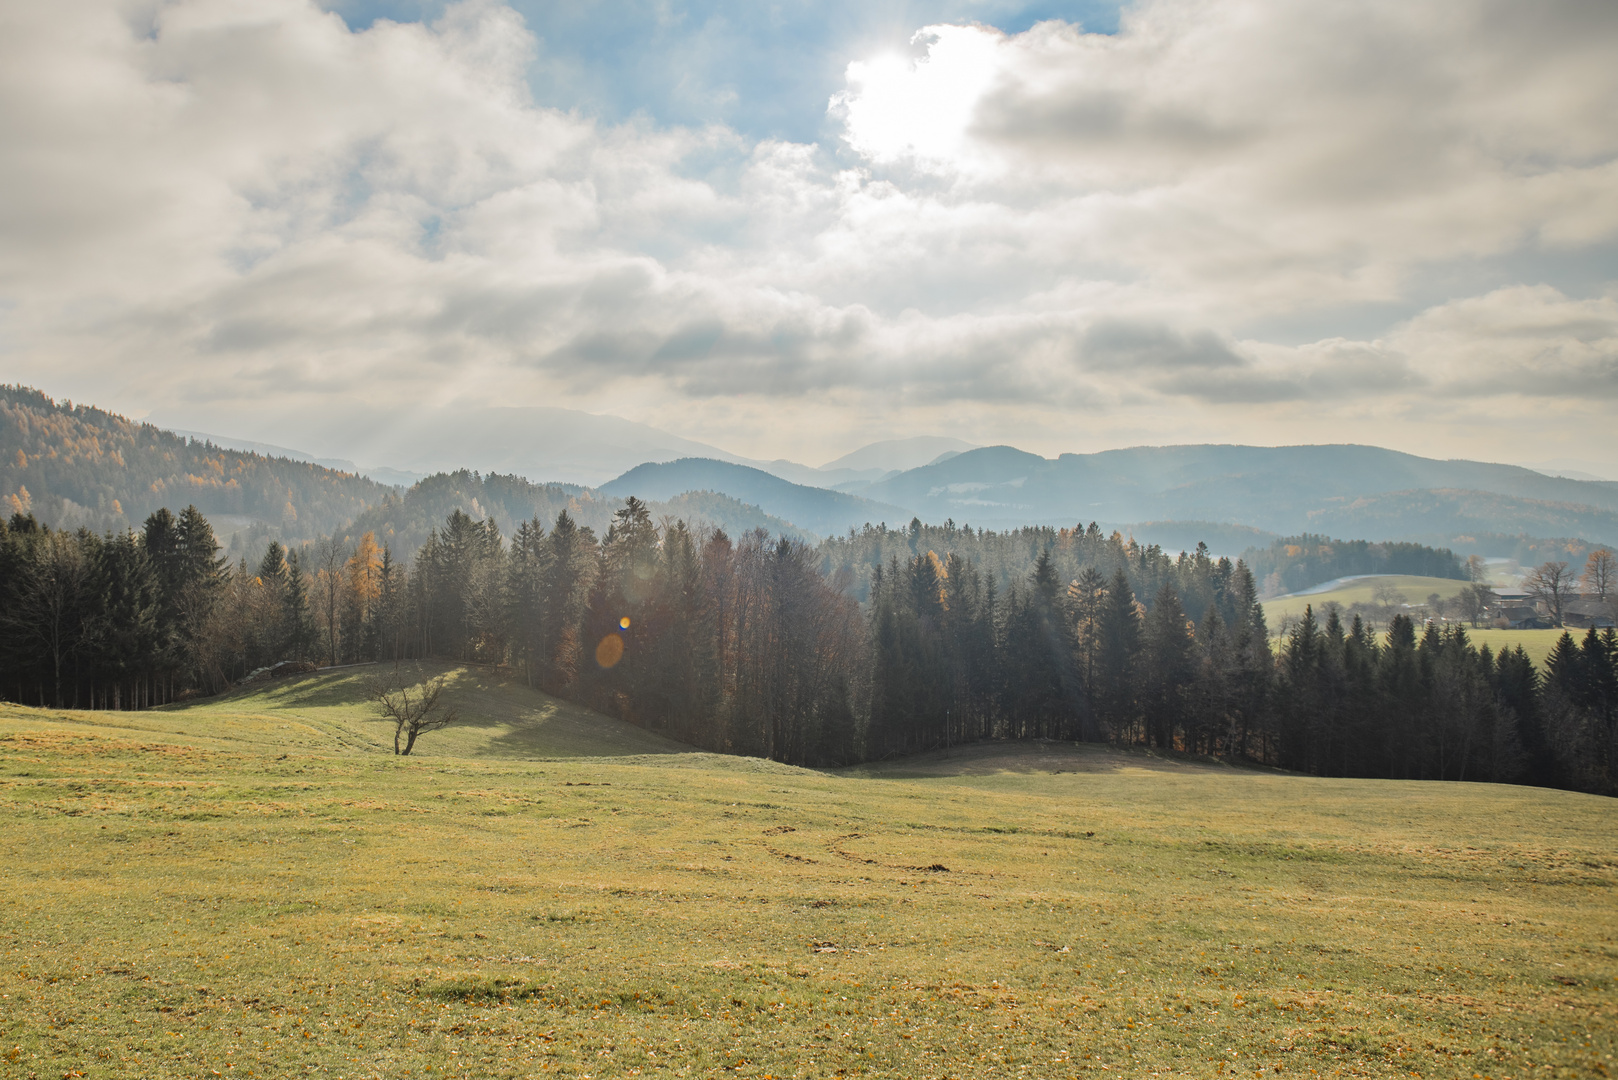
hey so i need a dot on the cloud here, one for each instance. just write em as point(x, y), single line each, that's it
point(220, 206)
point(1522, 342)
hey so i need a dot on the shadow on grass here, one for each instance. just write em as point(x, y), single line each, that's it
point(991, 758)
point(499, 716)
point(518, 721)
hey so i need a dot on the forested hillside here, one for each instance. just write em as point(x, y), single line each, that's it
point(1297, 562)
point(1456, 512)
point(812, 509)
point(405, 520)
point(74, 465)
point(756, 645)
point(1009, 556)
point(1344, 489)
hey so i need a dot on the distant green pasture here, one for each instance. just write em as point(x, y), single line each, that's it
point(1415, 590)
point(1536, 643)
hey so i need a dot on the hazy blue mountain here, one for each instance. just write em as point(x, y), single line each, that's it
point(814, 509)
point(1457, 513)
point(381, 473)
point(1573, 468)
point(1278, 489)
point(76, 465)
point(832, 479)
point(403, 519)
point(898, 455)
point(546, 444)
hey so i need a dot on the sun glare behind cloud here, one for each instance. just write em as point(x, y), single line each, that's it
point(897, 108)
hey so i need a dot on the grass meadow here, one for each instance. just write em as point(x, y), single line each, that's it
point(253, 887)
point(1414, 589)
point(1281, 612)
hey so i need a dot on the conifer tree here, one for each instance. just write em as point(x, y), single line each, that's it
point(1118, 649)
point(525, 593)
point(1166, 668)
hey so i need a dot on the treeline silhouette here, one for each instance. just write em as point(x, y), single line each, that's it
point(758, 645)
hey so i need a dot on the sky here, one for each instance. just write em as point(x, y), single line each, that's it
point(789, 229)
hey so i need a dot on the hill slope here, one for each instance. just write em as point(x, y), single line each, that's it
point(544, 443)
point(1280, 489)
point(403, 520)
point(328, 713)
point(898, 455)
point(74, 465)
point(815, 509)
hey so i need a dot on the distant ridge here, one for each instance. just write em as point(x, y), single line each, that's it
point(403, 520)
point(1347, 489)
point(76, 465)
point(899, 455)
point(811, 508)
point(79, 466)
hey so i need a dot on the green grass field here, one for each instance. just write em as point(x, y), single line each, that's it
point(1415, 590)
point(1536, 643)
point(251, 887)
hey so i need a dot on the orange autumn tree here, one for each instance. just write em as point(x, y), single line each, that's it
point(362, 586)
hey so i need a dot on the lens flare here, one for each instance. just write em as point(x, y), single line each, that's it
point(610, 651)
point(624, 622)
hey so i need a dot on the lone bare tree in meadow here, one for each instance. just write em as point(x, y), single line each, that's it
point(413, 708)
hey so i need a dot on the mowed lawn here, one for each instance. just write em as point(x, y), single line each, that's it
point(252, 887)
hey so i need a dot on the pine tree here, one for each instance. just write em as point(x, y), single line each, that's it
point(1118, 649)
point(1166, 668)
point(568, 580)
point(525, 593)
point(1300, 675)
point(297, 619)
point(129, 607)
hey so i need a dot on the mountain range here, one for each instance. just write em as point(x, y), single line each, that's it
point(547, 444)
point(1341, 489)
point(77, 465)
point(816, 509)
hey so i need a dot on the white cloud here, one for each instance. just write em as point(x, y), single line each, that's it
point(1054, 238)
point(895, 108)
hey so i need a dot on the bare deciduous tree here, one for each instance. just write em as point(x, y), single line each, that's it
point(413, 708)
point(332, 554)
point(1550, 582)
point(1599, 573)
point(1386, 596)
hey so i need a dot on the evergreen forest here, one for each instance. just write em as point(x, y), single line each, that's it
point(883, 643)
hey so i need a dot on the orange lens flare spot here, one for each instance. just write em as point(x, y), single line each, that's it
point(610, 651)
point(624, 622)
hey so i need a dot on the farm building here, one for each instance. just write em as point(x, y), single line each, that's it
point(1523, 617)
point(1587, 611)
